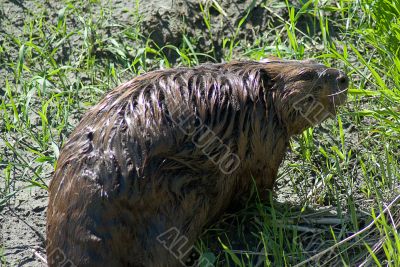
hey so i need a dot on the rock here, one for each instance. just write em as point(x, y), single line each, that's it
point(39, 208)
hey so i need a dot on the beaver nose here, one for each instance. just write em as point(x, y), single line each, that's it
point(336, 76)
point(342, 79)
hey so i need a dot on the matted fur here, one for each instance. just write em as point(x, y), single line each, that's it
point(138, 164)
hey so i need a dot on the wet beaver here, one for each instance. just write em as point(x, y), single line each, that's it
point(165, 154)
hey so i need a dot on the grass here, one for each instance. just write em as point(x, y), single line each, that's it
point(339, 179)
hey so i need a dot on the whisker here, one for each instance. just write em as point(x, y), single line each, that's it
point(338, 93)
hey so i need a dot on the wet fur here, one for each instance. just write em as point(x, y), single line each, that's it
point(130, 172)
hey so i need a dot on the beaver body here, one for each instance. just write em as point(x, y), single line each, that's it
point(165, 154)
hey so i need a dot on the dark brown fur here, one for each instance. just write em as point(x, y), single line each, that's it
point(137, 165)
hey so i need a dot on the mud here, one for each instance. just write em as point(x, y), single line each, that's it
point(166, 22)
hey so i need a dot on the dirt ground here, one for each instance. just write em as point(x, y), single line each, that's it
point(23, 226)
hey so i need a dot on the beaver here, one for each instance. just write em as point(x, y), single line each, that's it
point(163, 155)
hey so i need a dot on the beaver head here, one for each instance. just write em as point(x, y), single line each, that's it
point(306, 92)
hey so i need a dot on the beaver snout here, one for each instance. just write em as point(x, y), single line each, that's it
point(342, 80)
point(336, 76)
point(336, 84)
point(337, 80)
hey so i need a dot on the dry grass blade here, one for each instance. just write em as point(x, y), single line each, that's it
point(357, 234)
